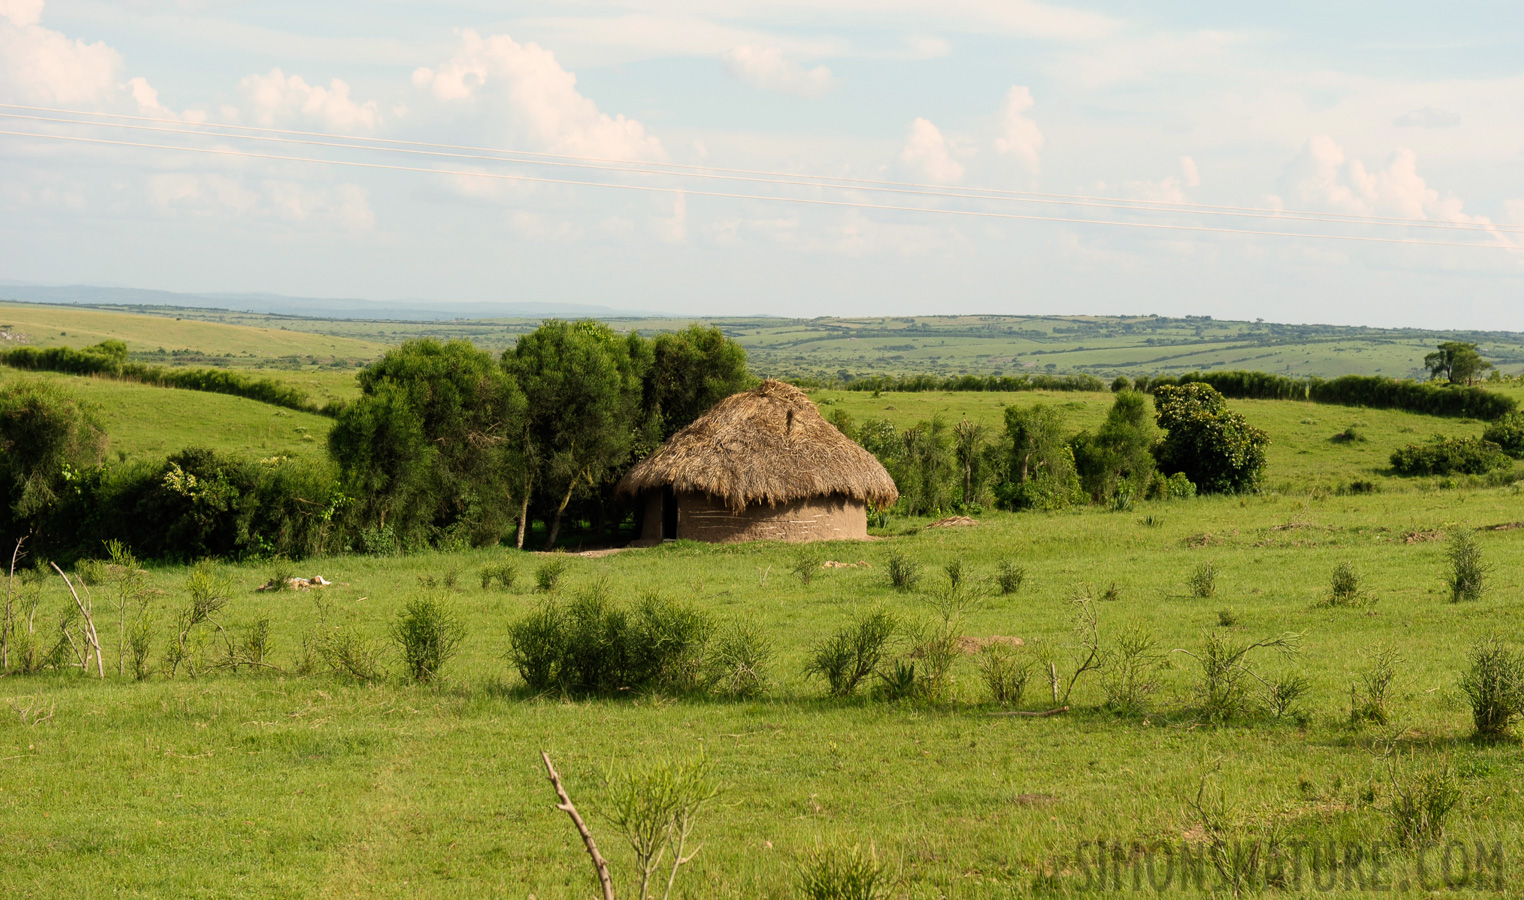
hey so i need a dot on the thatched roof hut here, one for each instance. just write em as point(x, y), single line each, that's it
point(763, 464)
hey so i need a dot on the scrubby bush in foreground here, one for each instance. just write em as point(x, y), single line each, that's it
point(1494, 686)
point(429, 634)
point(853, 653)
point(595, 646)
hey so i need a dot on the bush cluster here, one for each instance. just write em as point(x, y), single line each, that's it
point(594, 646)
point(1374, 391)
point(197, 503)
point(1450, 456)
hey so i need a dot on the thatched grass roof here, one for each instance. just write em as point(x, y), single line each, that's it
point(767, 445)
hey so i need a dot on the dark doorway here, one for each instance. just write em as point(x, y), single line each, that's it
point(668, 514)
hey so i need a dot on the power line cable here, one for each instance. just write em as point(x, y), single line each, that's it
point(1160, 226)
point(711, 171)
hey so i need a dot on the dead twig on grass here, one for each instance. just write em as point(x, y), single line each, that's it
point(566, 806)
point(90, 635)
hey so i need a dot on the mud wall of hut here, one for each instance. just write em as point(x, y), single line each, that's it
point(835, 518)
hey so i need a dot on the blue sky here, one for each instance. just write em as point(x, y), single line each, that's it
point(1389, 110)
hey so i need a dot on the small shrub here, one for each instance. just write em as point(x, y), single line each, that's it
point(853, 652)
point(91, 571)
point(1359, 486)
point(956, 573)
point(1349, 435)
point(1127, 673)
point(1172, 487)
point(344, 650)
point(1467, 576)
point(1227, 618)
point(429, 634)
point(842, 874)
point(1450, 456)
point(1202, 583)
point(667, 644)
point(738, 661)
point(806, 564)
point(547, 578)
point(1368, 697)
point(904, 572)
point(1344, 587)
point(655, 808)
point(1224, 688)
point(1010, 577)
point(594, 646)
point(1508, 434)
point(1283, 694)
point(504, 574)
point(140, 634)
point(281, 575)
point(900, 682)
point(256, 642)
point(1422, 800)
point(1494, 686)
point(1005, 675)
point(537, 645)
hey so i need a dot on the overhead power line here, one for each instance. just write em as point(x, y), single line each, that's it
point(256, 133)
point(810, 201)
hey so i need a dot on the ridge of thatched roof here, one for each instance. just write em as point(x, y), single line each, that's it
point(766, 445)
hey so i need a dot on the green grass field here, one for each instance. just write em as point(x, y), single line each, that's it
point(51, 326)
point(143, 420)
point(269, 784)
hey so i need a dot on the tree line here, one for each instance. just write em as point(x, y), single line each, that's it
point(446, 446)
point(1035, 462)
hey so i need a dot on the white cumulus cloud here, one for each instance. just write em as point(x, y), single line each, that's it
point(1019, 135)
point(275, 97)
point(536, 98)
point(1324, 177)
point(39, 65)
point(765, 67)
point(927, 154)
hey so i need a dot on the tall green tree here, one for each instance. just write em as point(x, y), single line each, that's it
point(1039, 463)
point(926, 469)
point(691, 371)
point(434, 442)
point(44, 433)
point(971, 447)
point(1216, 448)
point(584, 386)
point(1121, 450)
point(1457, 362)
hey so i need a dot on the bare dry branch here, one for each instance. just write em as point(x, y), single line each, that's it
point(599, 863)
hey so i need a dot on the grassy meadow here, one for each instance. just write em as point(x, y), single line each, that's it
point(51, 326)
point(285, 782)
point(271, 784)
point(143, 420)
